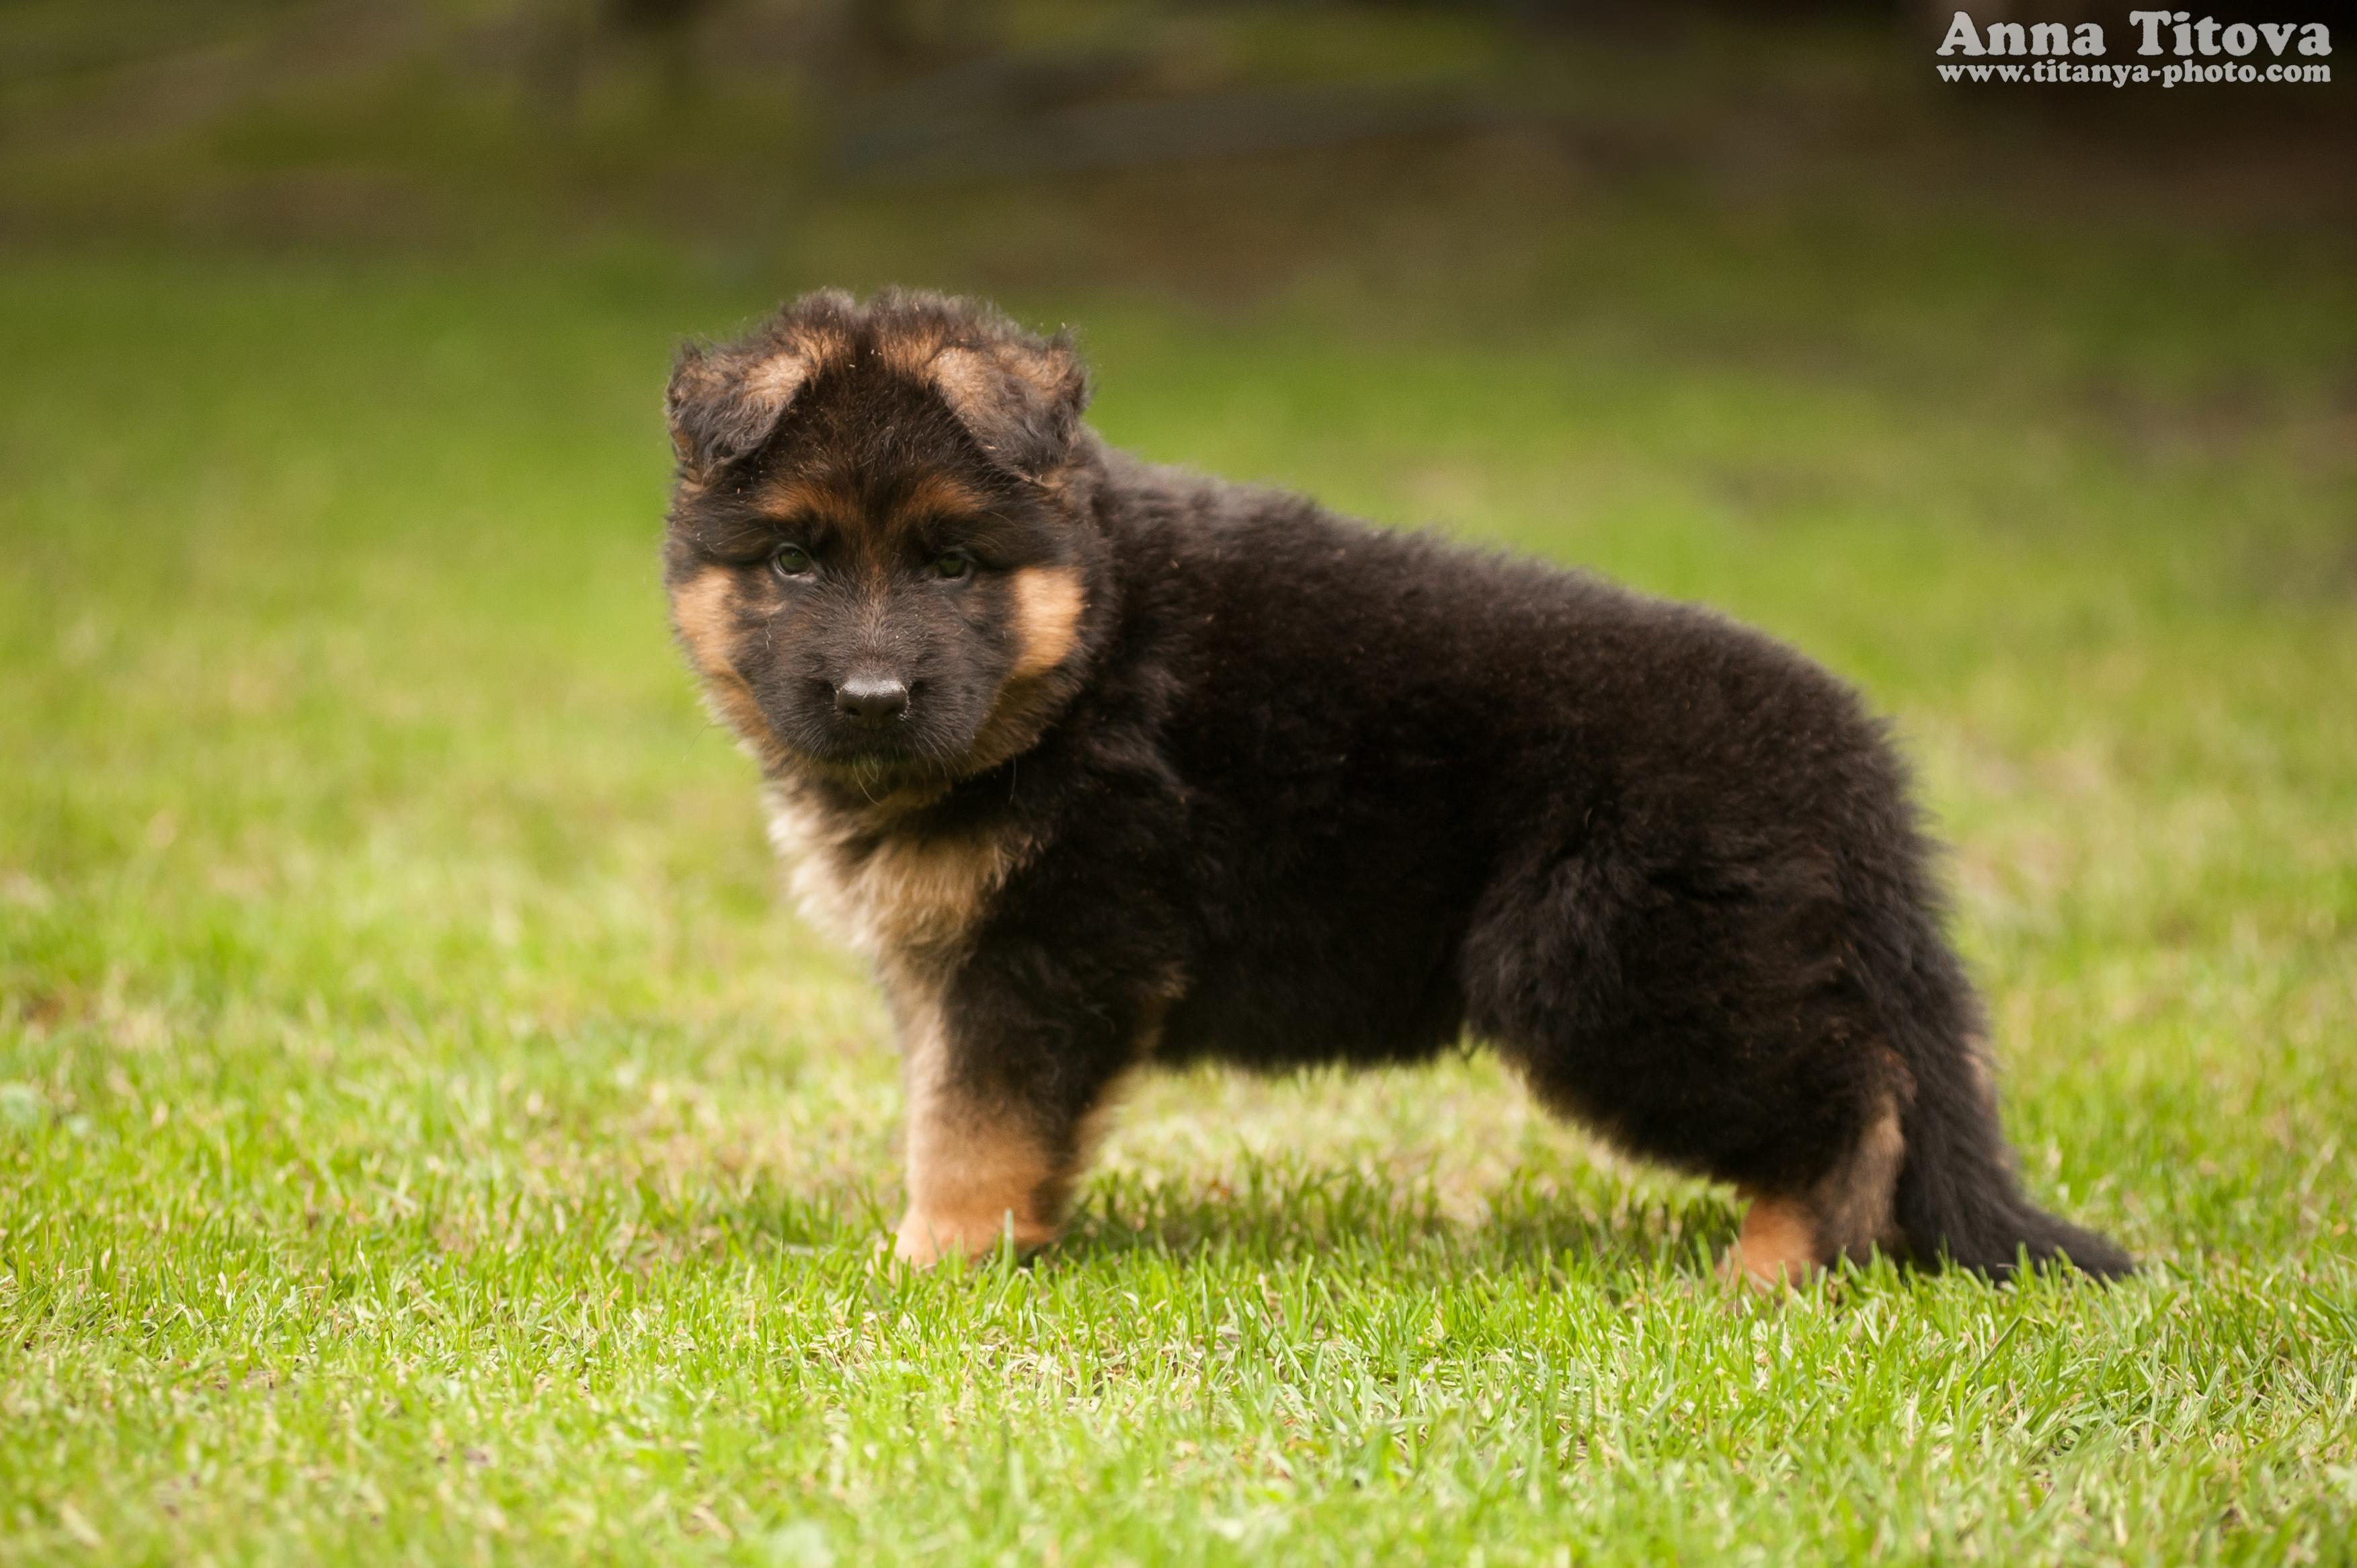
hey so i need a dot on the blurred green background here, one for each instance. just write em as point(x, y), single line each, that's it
point(391, 974)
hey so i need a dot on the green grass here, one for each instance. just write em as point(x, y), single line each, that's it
point(423, 1136)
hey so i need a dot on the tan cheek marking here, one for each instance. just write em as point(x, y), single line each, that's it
point(702, 609)
point(974, 1174)
point(1777, 1246)
point(1048, 604)
point(731, 701)
point(1015, 721)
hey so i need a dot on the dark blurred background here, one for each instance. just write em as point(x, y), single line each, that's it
point(1217, 150)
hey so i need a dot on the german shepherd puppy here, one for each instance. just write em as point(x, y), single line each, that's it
point(1104, 763)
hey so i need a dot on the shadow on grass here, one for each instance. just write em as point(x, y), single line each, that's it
point(1284, 1212)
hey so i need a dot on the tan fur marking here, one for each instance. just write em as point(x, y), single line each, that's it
point(974, 383)
point(1778, 1247)
point(1044, 372)
point(1021, 714)
point(1048, 605)
point(908, 353)
point(811, 347)
point(1846, 1214)
point(901, 894)
point(1854, 1204)
point(757, 386)
point(700, 608)
point(730, 702)
point(791, 497)
point(942, 495)
point(772, 384)
point(702, 611)
point(974, 1174)
point(967, 379)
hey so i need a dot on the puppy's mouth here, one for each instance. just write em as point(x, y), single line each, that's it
point(901, 748)
point(869, 743)
point(873, 773)
point(868, 766)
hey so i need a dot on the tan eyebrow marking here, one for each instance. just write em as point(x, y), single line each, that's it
point(937, 493)
point(792, 497)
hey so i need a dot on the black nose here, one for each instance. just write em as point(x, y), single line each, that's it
point(868, 702)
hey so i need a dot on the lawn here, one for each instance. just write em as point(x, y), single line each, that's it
point(424, 1135)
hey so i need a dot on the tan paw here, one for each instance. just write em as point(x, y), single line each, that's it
point(1777, 1249)
point(924, 1239)
point(1767, 1277)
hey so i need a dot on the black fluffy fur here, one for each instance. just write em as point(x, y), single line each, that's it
point(1305, 789)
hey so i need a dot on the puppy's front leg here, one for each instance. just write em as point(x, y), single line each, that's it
point(987, 1158)
point(977, 1171)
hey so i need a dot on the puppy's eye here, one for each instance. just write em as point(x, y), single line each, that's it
point(953, 564)
point(794, 561)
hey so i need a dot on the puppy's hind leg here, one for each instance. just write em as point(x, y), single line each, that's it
point(1847, 1213)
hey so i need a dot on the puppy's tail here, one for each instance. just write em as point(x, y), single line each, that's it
point(1957, 1200)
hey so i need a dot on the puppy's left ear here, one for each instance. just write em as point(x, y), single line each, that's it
point(723, 404)
point(1021, 398)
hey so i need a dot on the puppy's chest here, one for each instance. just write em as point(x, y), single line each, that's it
point(892, 891)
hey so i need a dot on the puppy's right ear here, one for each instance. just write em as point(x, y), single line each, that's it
point(723, 404)
point(1021, 397)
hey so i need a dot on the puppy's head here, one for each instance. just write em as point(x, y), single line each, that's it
point(879, 556)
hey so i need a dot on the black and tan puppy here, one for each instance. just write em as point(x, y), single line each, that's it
point(1105, 764)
